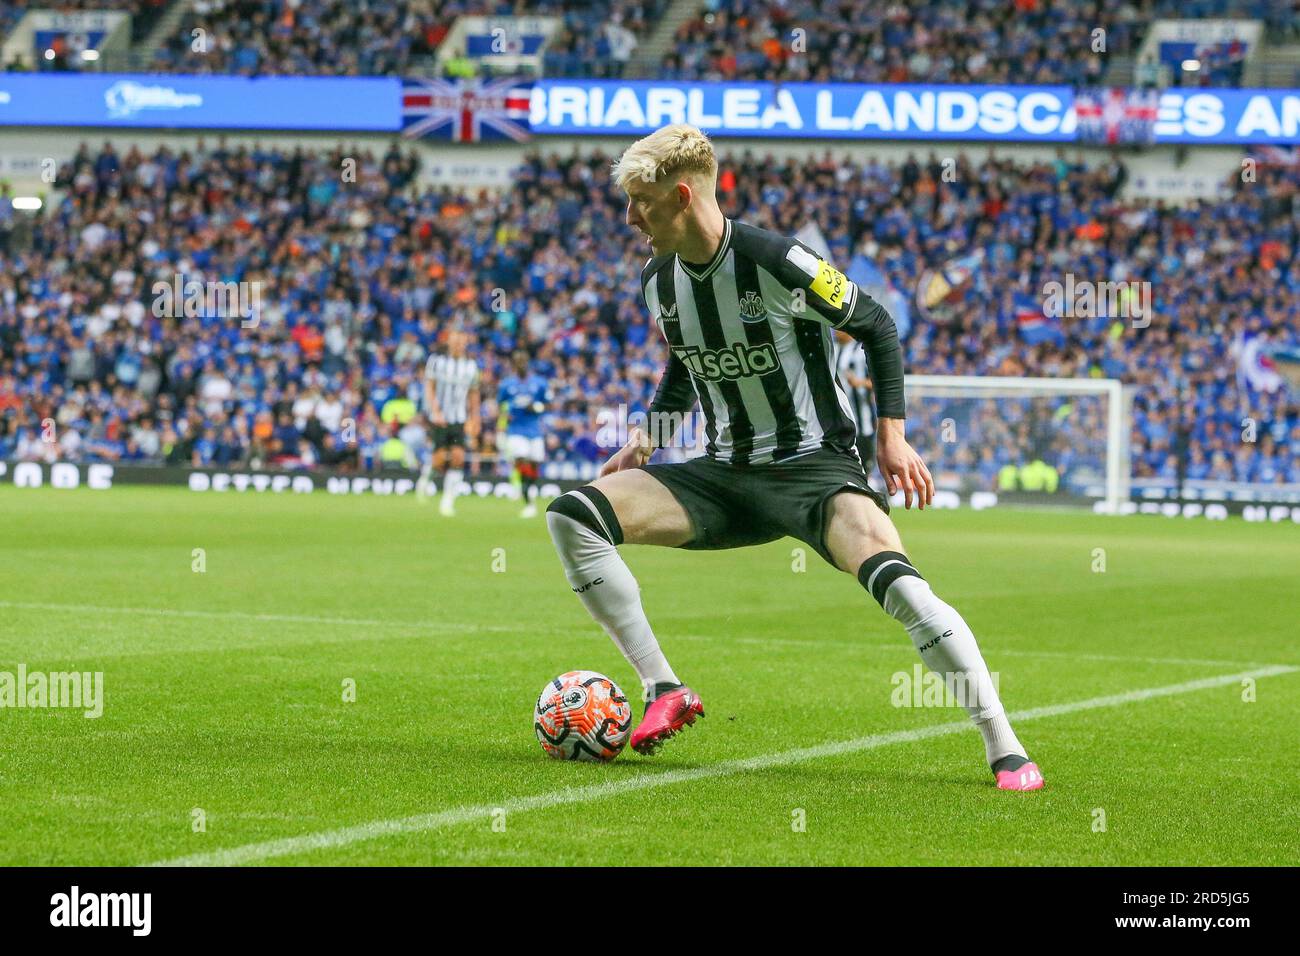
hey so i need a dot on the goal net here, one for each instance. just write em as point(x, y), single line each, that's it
point(1057, 436)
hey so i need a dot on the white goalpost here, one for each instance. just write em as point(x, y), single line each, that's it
point(973, 424)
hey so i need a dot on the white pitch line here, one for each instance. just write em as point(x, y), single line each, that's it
point(1128, 659)
point(249, 616)
point(994, 652)
point(330, 839)
point(468, 628)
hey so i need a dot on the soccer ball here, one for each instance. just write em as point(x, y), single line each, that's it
point(582, 715)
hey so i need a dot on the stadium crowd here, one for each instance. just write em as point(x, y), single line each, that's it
point(937, 41)
point(346, 287)
point(921, 41)
point(301, 37)
point(144, 15)
point(371, 38)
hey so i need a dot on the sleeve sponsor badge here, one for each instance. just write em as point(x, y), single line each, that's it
point(830, 284)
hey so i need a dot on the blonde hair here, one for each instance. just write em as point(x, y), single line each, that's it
point(665, 153)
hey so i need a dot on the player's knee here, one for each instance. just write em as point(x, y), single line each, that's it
point(589, 508)
point(853, 542)
point(877, 539)
point(877, 531)
point(882, 569)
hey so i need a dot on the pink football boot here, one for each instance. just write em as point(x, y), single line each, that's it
point(666, 715)
point(1025, 777)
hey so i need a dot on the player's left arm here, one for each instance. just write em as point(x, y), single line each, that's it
point(826, 294)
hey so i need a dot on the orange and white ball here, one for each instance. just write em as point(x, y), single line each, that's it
point(582, 715)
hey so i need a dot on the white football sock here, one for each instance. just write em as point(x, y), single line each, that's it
point(451, 482)
point(599, 576)
point(422, 484)
point(946, 645)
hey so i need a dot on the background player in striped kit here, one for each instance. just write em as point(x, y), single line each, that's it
point(452, 401)
point(746, 314)
point(851, 367)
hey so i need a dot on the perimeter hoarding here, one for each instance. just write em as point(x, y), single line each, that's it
point(845, 111)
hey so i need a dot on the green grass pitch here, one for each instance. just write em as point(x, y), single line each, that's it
point(224, 691)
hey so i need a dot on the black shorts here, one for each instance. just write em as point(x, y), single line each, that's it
point(445, 436)
point(866, 445)
point(733, 507)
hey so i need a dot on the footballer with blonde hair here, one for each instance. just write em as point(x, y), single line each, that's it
point(748, 316)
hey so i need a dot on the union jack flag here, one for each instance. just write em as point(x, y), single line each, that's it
point(1112, 116)
point(466, 111)
point(1276, 155)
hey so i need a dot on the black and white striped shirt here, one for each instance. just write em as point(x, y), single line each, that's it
point(454, 379)
point(851, 359)
point(749, 337)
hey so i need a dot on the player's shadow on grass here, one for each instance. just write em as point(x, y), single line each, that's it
point(621, 765)
point(888, 776)
point(626, 766)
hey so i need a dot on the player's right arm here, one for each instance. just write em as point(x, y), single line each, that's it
point(673, 398)
point(634, 454)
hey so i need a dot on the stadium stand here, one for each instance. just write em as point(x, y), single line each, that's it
point(144, 13)
point(358, 281)
point(933, 41)
point(944, 41)
point(317, 37)
point(276, 37)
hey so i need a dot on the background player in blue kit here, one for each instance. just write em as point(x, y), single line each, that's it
point(525, 396)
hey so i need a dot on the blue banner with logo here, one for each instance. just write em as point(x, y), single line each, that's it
point(814, 110)
point(200, 102)
point(855, 111)
point(1228, 116)
point(1047, 114)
